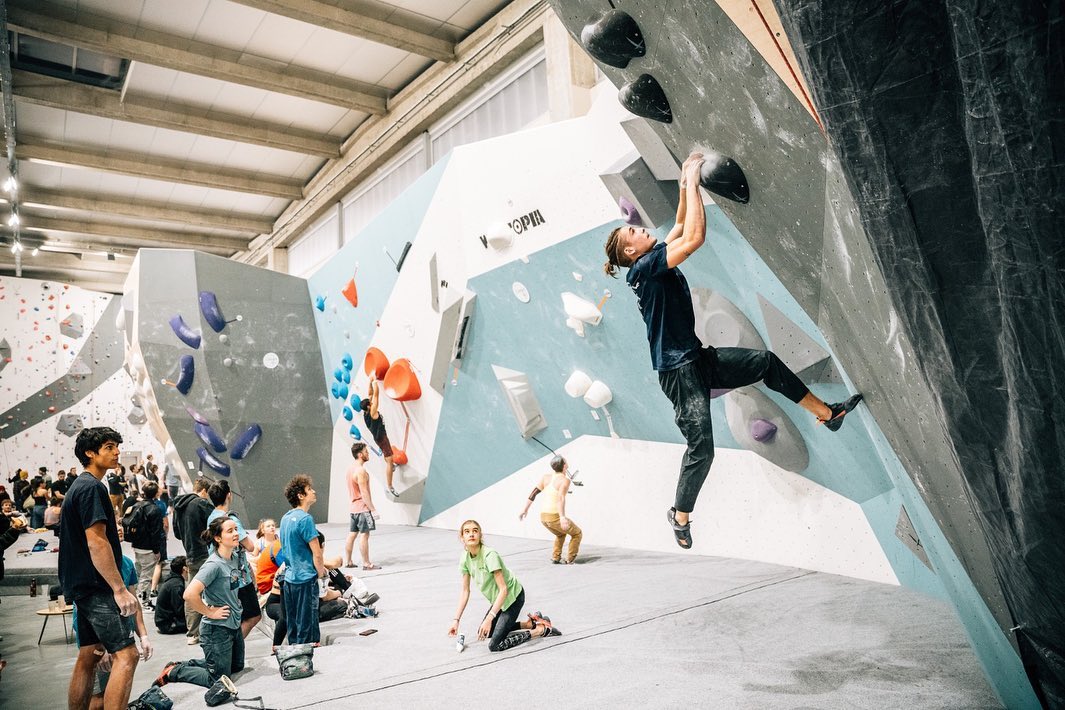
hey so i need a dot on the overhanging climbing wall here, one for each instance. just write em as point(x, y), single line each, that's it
point(729, 92)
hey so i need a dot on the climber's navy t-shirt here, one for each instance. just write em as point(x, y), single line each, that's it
point(666, 307)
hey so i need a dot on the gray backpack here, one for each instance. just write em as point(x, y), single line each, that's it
point(296, 661)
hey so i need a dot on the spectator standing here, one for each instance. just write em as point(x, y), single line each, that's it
point(143, 523)
point(222, 497)
point(190, 520)
point(304, 562)
point(89, 563)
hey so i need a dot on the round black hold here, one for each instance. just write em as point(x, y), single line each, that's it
point(613, 38)
point(645, 98)
point(723, 176)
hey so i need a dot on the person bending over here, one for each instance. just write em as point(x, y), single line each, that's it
point(686, 370)
point(502, 589)
point(213, 593)
point(555, 486)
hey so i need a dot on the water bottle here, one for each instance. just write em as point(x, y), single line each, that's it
point(460, 644)
point(33, 587)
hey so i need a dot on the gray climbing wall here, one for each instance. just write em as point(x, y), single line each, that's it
point(287, 401)
point(806, 225)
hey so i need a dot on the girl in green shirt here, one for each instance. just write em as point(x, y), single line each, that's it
point(500, 587)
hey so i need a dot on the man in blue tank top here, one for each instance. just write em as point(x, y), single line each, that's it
point(686, 370)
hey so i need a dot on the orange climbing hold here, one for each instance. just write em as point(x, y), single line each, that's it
point(375, 362)
point(401, 384)
point(351, 293)
point(399, 456)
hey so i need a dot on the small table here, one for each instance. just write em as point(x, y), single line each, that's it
point(48, 613)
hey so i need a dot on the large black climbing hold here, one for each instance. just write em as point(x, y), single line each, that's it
point(645, 98)
point(723, 176)
point(613, 38)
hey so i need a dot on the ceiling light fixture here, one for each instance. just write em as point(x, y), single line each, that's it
point(13, 220)
point(16, 248)
point(36, 251)
point(11, 184)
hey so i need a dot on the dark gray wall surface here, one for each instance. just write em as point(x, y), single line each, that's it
point(288, 402)
point(804, 223)
point(948, 120)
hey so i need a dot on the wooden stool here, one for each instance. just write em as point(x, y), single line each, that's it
point(66, 611)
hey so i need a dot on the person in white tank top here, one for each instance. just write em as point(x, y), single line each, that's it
point(555, 486)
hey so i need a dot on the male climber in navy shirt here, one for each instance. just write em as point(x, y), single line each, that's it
point(686, 370)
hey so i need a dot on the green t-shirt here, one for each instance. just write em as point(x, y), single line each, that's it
point(482, 571)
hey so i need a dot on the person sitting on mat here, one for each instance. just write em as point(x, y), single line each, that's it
point(687, 371)
point(499, 586)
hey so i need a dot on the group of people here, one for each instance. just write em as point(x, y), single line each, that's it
point(225, 576)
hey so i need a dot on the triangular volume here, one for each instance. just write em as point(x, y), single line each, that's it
point(78, 368)
point(905, 531)
point(790, 342)
point(522, 400)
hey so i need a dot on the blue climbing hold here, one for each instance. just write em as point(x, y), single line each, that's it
point(338, 375)
point(319, 303)
point(187, 371)
point(184, 333)
point(347, 362)
point(356, 401)
point(247, 439)
point(212, 462)
point(348, 414)
point(354, 431)
point(209, 436)
point(343, 391)
point(346, 377)
point(211, 311)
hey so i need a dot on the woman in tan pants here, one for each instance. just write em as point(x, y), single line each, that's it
point(555, 486)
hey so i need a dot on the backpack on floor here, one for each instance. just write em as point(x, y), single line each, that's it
point(152, 699)
point(296, 661)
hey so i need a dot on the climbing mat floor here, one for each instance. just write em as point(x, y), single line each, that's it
point(640, 630)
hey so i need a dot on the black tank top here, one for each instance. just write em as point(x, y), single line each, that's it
point(376, 426)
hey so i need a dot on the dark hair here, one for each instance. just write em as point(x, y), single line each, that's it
point(150, 490)
point(357, 448)
point(218, 492)
point(54, 501)
point(61, 472)
point(200, 484)
point(558, 463)
point(214, 529)
point(178, 564)
point(364, 405)
point(92, 439)
point(615, 254)
point(299, 484)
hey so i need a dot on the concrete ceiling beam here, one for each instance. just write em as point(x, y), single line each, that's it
point(357, 24)
point(109, 36)
point(94, 101)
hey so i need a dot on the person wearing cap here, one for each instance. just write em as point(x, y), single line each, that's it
point(555, 486)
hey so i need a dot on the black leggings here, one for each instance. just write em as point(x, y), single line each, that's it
point(688, 388)
point(500, 637)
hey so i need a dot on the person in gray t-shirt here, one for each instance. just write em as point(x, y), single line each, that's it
point(213, 593)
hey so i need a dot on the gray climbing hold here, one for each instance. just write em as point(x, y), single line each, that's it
point(69, 424)
point(73, 326)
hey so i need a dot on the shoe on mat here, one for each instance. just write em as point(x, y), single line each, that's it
point(552, 631)
point(192, 640)
point(164, 676)
point(539, 619)
point(369, 600)
point(839, 411)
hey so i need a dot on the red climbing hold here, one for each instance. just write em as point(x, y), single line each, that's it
point(351, 293)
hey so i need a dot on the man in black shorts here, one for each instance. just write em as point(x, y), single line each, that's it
point(376, 424)
point(89, 561)
point(686, 370)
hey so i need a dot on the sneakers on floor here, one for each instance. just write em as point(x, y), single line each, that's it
point(192, 640)
point(539, 619)
point(164, 677)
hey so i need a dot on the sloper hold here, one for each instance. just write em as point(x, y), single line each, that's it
point(212, 312)
point(614, 38)
point(798, 350)
point(136, 416)
point(723, 176)
point(645, 97)
point(748, 412)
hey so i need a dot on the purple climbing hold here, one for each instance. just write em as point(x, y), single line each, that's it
point(196, 416)
point(211, 311)
point(209, 436)
point(247, 439)
point(629, 213)
point(184, 333)
point(763, 430)
point(186, 374)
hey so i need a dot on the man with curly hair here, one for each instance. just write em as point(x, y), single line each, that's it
point(305, 563)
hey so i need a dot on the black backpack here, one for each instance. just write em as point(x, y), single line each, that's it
point(136, 525)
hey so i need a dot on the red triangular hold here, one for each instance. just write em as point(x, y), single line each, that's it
point(351, 293)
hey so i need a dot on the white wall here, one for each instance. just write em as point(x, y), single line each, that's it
point(30, 313)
